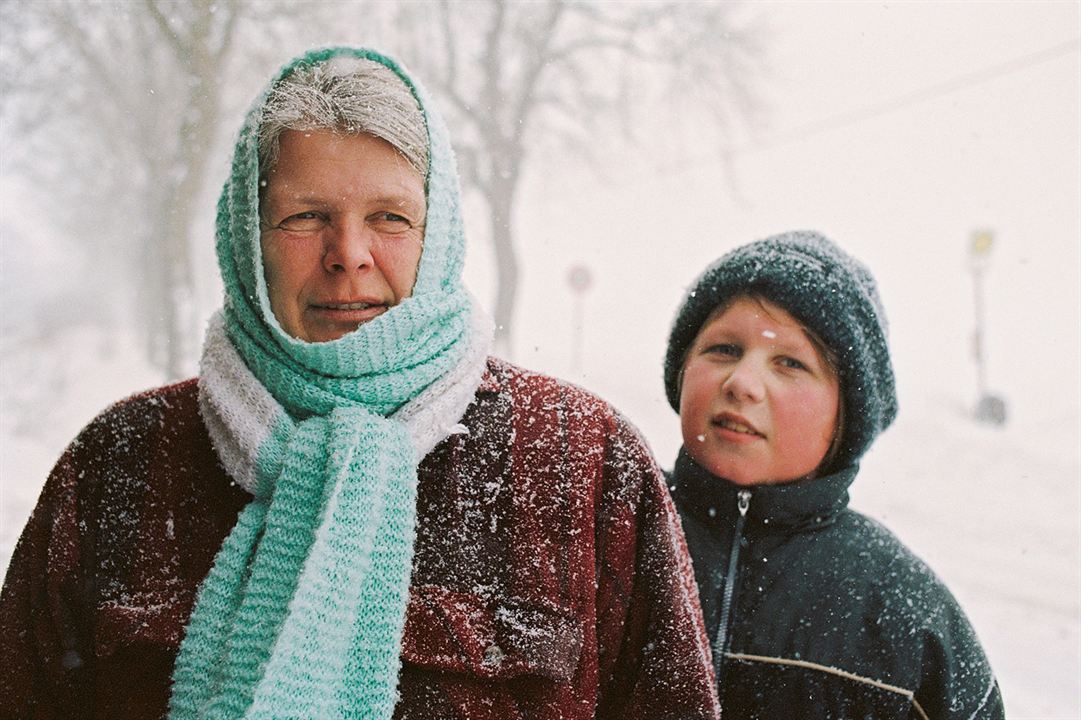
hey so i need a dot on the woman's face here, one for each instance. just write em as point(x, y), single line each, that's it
point(758, 403)
point(343, 229)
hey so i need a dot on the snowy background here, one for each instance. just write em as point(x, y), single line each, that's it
point(896, 129)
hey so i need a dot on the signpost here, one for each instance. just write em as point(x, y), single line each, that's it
point(990, 408)
point(580, 279)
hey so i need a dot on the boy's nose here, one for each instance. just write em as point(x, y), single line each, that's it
point(348, 247)
point(744, 383)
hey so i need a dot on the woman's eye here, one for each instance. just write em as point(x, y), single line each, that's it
point(388, 222)
point(304, 222)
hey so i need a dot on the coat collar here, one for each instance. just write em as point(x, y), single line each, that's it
point(790, 507)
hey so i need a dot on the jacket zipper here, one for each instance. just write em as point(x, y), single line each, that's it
point(723, 639)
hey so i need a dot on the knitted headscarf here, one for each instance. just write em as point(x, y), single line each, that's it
point(829, 292)
point(302, 613)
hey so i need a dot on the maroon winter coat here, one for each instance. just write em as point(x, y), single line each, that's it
point(550, 578)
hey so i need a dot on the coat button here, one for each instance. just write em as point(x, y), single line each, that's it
point(493, 655)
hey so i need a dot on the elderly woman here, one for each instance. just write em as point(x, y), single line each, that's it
point(354, 511)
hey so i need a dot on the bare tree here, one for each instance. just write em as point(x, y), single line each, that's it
point(199, 36)
point(116, 108)
point(520, 79)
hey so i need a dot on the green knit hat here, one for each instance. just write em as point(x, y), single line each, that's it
point(827, 290)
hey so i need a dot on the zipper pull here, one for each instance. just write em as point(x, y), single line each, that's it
point(722, 641)
point(743, 502)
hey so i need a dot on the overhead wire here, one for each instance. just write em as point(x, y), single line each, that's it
point(960, 82)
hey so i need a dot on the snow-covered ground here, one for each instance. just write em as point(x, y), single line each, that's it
point(996, 513)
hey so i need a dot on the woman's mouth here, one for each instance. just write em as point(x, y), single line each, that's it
point(347, 316)
point(348, 306)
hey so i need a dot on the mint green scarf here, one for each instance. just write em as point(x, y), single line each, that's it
point(303, 610)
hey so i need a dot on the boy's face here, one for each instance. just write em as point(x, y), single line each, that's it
point(758, 403)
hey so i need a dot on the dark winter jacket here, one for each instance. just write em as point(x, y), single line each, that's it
point(550, 579)
point(816, 611)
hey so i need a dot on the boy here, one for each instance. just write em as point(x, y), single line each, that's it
point(778, 366)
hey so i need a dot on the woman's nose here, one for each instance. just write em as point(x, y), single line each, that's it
point(348, 246)
point(745, 383)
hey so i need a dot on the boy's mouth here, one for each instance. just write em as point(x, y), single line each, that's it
point(734, 424)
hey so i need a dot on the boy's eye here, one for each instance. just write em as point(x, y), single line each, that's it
point(724, 349)
point(792, 363)
point(303, 222)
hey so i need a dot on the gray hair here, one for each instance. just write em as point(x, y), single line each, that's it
point(346, 95)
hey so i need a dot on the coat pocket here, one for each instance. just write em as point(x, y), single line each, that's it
point(145, 620)
point(498, 638)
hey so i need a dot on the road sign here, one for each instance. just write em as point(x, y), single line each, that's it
point(579, 278)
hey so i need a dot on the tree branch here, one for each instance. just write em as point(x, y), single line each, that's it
point(183, 53)
point(76, 38)
point(228, 32)
point(530, 81)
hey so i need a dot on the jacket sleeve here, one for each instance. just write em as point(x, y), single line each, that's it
point(44, 648)
point(956, 681)
point(653, 652)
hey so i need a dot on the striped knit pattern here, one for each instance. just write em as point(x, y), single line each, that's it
point(303, 611)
